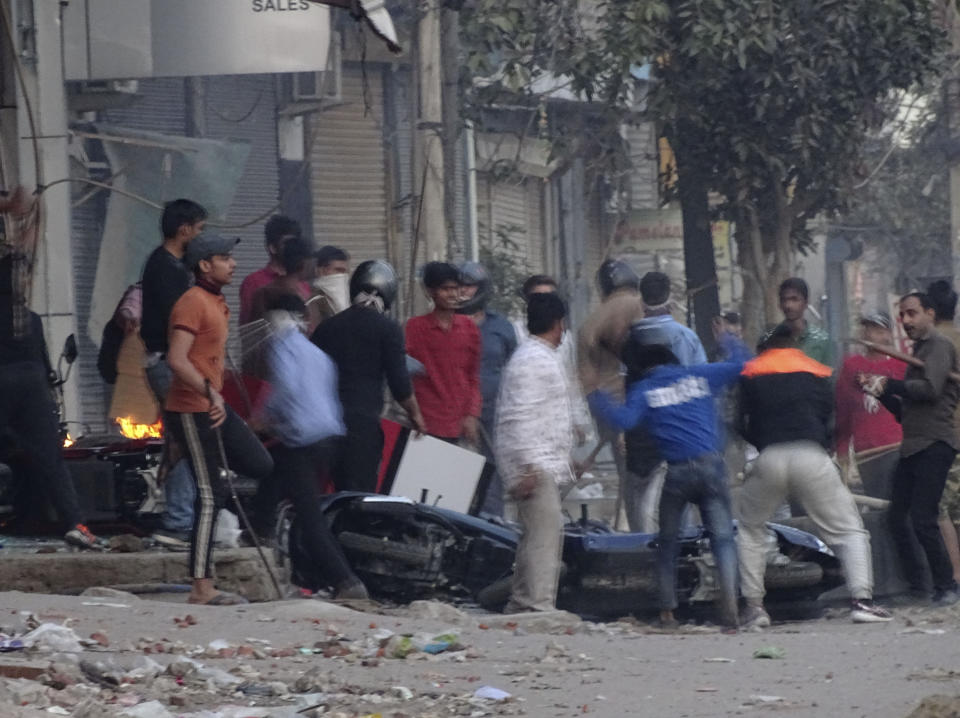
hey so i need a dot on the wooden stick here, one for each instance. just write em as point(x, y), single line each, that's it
point(868, 454)
point(872, 502)
point(891, 352)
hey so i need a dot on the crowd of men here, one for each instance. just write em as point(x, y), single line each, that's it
point(526, 394)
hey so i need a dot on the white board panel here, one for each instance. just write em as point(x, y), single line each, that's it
point(448, 473)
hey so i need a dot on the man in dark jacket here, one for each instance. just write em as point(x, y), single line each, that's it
point(367, 347)
point(925, 401)
point(165, 279)
point(28, 413)
point(786, 408)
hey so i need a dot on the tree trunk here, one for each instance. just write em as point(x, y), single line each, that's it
point(703, 295)
point(753, 302)
point(763, 265)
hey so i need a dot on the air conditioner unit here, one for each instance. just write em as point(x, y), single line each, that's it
point(320, 86)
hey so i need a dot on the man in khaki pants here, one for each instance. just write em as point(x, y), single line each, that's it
point(534, 436)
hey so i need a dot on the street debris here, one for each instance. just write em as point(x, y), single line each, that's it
point(769, 652)
point(491, 694)
point(935, 674)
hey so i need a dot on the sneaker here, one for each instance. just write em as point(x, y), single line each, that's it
point(754, 618)
point(866, 611)
point(173, 540)
point(942, 599)
point(81, 537)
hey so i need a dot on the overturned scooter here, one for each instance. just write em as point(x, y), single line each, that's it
point(405, 550)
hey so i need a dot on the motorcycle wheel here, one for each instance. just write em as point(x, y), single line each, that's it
point(796, 574)
point(384, 548)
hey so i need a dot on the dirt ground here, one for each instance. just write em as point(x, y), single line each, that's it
point(275, 659)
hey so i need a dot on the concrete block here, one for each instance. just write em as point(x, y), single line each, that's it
point(236, 570)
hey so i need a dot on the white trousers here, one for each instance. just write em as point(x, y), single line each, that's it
point(804, 472)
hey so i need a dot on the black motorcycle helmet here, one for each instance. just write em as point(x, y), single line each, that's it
point(616, 274)
point(375, 276)
point(474, 274)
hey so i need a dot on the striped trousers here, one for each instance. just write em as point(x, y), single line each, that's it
point(245, 455)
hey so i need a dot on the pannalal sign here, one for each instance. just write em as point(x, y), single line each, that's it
point(120, 39)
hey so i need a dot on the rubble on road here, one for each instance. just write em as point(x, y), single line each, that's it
point(82, 656)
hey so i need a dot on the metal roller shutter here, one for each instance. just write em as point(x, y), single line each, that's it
point(243, 107)
point(513, 208)
point(160, 109)
point(348, 171)
point(236, 107)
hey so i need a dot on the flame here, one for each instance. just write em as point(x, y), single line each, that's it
point(132, 430)
point(68, 441)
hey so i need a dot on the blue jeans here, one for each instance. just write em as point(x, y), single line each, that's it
point(701, 481)
point(178, 488)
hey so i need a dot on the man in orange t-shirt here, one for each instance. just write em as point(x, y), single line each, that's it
point(195, 410)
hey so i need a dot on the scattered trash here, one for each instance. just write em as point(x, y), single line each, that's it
point(769, 652)
point(107, 592)
point(720, 659)
point(126, 543)
point(758, 698)
point(926, 631)
point(105, 603)
point(10, 644)
point(935, 674)
point(227, 532)
point(491, 694)
point(54, 638)
point(150, 709)
point(403, 693)
point(437, 611)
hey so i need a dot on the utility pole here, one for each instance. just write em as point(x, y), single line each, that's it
point(450, 54)
point(41, 159)
point(429, 176)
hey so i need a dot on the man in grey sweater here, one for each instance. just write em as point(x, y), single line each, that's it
point(925, 402)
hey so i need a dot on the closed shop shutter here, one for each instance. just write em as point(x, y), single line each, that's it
point(349, 171)
point(237, 107)
point(160, 108)
point(243, 107)
point(513, 210)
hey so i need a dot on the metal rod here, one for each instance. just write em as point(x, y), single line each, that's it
point(243, 514)
point(891, 352)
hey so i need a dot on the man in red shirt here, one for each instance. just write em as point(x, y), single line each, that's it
point(195, 410)
point(861, 422)
point(448, 346)
point(277, 229)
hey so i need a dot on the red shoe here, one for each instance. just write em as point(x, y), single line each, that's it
point(82, 537)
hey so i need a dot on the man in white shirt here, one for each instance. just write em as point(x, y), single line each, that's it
point(582, 421)
point(534, 436)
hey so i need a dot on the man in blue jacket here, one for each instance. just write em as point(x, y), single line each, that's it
point(677, 404)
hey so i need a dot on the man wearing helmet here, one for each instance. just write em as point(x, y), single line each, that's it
point(498, 341)
point(367, 347)
point(600, 344)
